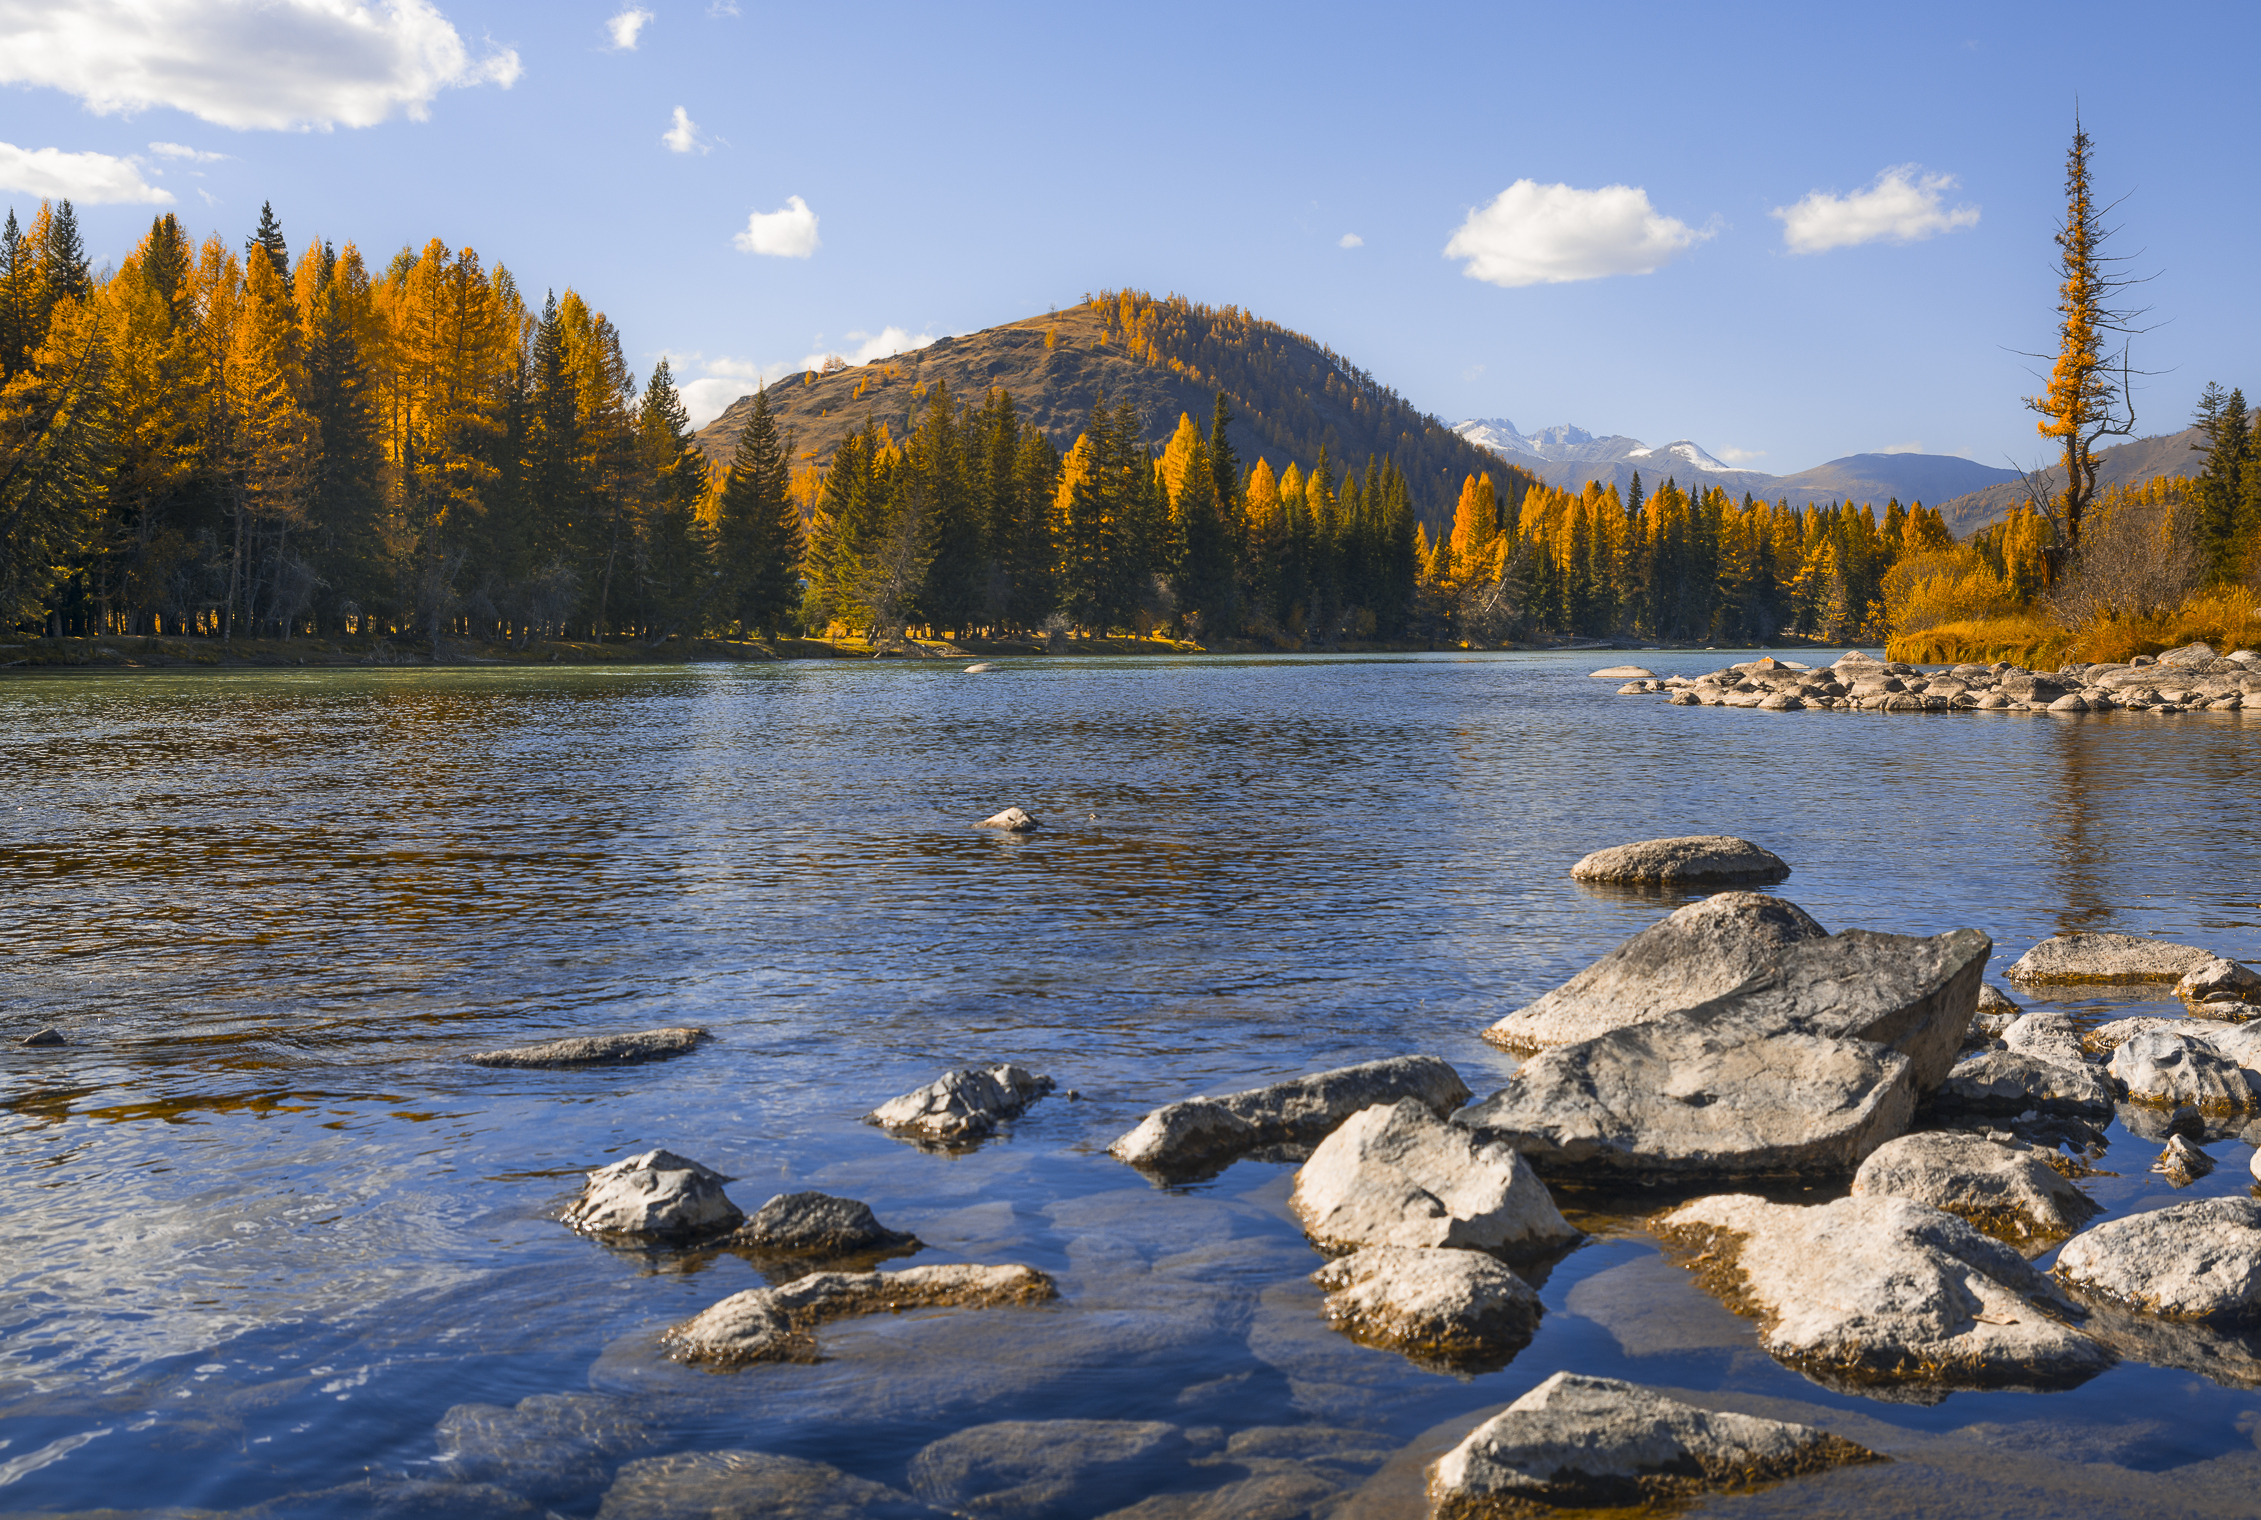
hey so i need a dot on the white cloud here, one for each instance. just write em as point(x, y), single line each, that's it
point(625, 27)
point(209, 198)
point(722, 8)
point(1902, 205)
point(1738, 456)
point(723, 380)
point(89, 178)
point(1351, 240)
point(786, 234)
point(1912, 446)
point(709, 398)
point(274, 64)
point(193, 155)
point(884, 344)
point(1534, 234)
point(684, 135)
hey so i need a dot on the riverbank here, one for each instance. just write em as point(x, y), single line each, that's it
point(2225, 617)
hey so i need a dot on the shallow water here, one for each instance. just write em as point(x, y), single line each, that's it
point(265, 1228)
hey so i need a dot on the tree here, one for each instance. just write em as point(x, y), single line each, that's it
point(2226, 446)
point(2087, 398)
point(675, 550)
point(269, 240)
point(53, 439)
point(64, 257)
point(758, 529)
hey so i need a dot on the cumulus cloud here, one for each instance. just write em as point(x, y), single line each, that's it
point(1351, 240)
point(1902, 205)
point(684, 136)
point(178, 150)
point(786, 234)
point(1739, 456)
point(722, 379)
point(90, 179)
point(275, 64)
point(626, 26)
point(884, 344)
point(1534, 234)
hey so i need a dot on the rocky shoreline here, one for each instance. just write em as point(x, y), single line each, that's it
point(2190, 679)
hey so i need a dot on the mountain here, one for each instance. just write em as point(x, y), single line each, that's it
point(1169, 357)
point(2131, 464)
point(1569, 457)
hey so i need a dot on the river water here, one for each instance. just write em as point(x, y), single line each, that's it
point(265, 1229)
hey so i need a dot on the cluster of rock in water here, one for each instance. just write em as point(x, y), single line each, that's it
point(2190, 679)
point(1733, 1045)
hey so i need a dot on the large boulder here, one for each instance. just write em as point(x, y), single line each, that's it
point(1397, 1175)
point(1692, 860)
point(963, 1105)
point(595, 1050)
point(1200, 1133)
point(658, 1195)
point(1588, 1443)
point(2011, 1082)
point(2084, 957)
point(774, 1324)
point(1703, 951)
point(2007, 1190)
point(818, 1224)
point(2196, 1260)
point(1885, 1290)
point(2164, 1067)
point(1455, 1309)
point(728, 1485)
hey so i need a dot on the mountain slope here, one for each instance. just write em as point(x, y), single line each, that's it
point(1166, 358)
point(2131, 464)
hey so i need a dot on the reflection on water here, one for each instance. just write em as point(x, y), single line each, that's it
point(266, 1229)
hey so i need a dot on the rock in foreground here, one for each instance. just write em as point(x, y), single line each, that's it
point(2106, 958)
point(658, 1195)
point(818, 1224)
point(726, 1485)
point(2009, 1191)
point(1691, 860)
point(773, 1324)
point(962, 1106)
point(596, 1050)
point(1201, 1133)
point(1397, 1175)
point(1586, 1443)
point(1455, 1309)
point(2196, 1260)
point(1883, 1290)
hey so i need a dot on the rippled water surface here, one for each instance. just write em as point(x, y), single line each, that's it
point(264, 1228)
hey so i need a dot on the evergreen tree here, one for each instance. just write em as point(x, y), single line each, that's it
point(1207, 576)
point(955, 592)
point(345, 505)
point(269, 240)
point(758, 525)
point(21, 301)
point(64, 258)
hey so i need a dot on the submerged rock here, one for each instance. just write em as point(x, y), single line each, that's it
point(1456, 1309)
point(818, 1224)
point(1030, 1469)
point(1398, 1175)
point(2182, 1163)
point(726, 1485)
point(2196, 1260)
point(2010, 1191)
point(1883, 1290)
point(963, 1105)
point(551, 1447)
point(2220, 981)
point(2163, 1067)
point(658, 1194)
point(2011, 1082)
point(1692, 860)
point(1013, 821)
point(596, 1050)
point(1207, 1132)
point(773, 1324)
point(1587, 1443)
point(1701, 952)
point(2106, 958)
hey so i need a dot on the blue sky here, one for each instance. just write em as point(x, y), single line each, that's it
point(960, 167)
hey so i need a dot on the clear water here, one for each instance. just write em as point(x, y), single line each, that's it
point(264, 1227)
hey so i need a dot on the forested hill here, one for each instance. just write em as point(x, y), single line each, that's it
point(1166, 357)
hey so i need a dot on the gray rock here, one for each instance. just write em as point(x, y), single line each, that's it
point(2182, 1163)
point(2099, 1043)
point(773, 1324)
point(1013, 821)
point(817, 1224)
point(551, 1447)
point(2046, 1035)
point(1206, 1132)
point(46, 1038)
point(658, 1194)
point(750, 1485)
point(2008, 1081)
point(963, 1105)
point(2201, 653)
point(2161, 1067)
point(2196, 1260)
point(1459, 1310)
point(1397, 1175)
point(596, 1050)
point(2220, 981)
point(1992, 1000)
point(2006, 1190)
point(1693, 860)
point(1041, 1469)
point(1701, 952)
point(1885, 1290)
point(2106, 958)
point(1587, 1443)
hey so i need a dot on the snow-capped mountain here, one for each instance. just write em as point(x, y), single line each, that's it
point(1565, 444)
point(1682, 452)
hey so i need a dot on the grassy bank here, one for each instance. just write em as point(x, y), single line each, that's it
point(2225, 618)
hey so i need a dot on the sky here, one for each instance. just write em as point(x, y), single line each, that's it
point(1789, 233)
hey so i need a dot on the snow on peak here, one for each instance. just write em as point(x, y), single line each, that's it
point(1685, 452)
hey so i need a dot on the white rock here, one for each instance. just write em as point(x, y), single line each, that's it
point(658, 1193)
point(980, 667)
point(1623, 673)
point(2009, 1191)
point(2046, 1035)
point(1693, 859)
point(2220, 981)
point(1013, 820)
point(1587, 1443)
point(2196, 1260)
point(2161, 1067)
point(1398, 1175)
point(773, 1324)
point(2181, 1162)
point(1458, 1309)
point(962, 1105)
point(2106, 958)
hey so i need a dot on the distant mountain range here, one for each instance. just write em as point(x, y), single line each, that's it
point(1570, 456)
point(2131, 464)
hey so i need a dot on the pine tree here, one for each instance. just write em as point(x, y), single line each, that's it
point(345, 505)
point(269, 240)
point(1207, 575)
point(21, 301)
point(2225, 443)
point(761, 543)
point(675, 550)
point(64, 258)
point(955, 591)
